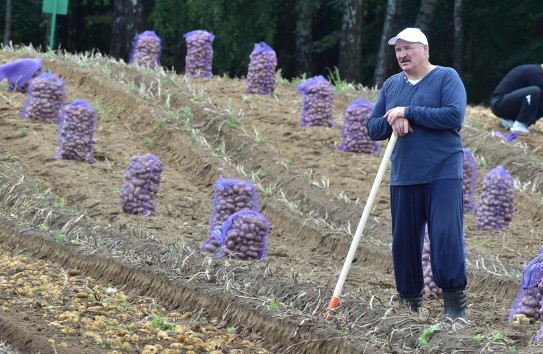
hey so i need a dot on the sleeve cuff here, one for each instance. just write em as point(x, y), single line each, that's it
point(408, 114)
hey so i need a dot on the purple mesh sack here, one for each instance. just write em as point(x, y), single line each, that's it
point(430, 287)
point(141, 184)
point(146, 50)
point(261, 74)
point(20, 73)
point(45, 98)
point(243, 235)
point(318, 102)
point(539, 336)
point(529, 298)
point(199, 58)
point(76, 131)
point(469, 181)
point(230, 196)
point(354, 131)
point(496, 205)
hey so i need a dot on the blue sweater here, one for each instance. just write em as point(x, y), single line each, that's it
point(435, 108)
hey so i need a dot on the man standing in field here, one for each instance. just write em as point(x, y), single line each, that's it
point(424, 106)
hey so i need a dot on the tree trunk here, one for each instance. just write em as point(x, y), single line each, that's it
point(304, 37)
point(458, 36)
point(425, 15)
point(127, 23)
point(350, 45)
point(7, 25)
point(382, 57)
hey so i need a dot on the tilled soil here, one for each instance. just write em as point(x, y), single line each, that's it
point(68, 213)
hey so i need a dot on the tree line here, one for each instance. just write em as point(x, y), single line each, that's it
point(481, 39)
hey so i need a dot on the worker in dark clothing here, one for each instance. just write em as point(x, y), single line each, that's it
point(518, 98)
point(424, 105)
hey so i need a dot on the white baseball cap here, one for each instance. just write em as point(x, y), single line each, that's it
point(410, 34)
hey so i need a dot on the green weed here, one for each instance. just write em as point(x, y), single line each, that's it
point(477, 241)
point(61, 202)
point(159, 322)
point(267, 190)
point(274, 305)
point(341, 87)
point(149, 140)
point(106, 70)
point(261, 173)
point(43, 227)
point(160, 124)
point(293, 206)
point(97, 105)
point(182, 115)
point(231, 329)
point(58, 236)
point(23, 130)
point(427, 333)
point(482, 161)
point(219, 150)
point(231, 123)
point(123, 306)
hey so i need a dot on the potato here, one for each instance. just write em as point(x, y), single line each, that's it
point(199, 58)
point(496, 204)
point(318, 102)
point(76, 131)
point(45, 98)
point(261, 73)
point(469, 181)
point(141, 185)
point(230, 196)
point(355, 133)
point(240, 239)
point(146, 50)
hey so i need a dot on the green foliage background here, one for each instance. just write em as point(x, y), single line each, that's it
point(498, 34)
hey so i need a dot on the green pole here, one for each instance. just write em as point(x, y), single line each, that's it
point(53, 25)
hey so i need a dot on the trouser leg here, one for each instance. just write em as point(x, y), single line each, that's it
point(408, 222)
point(446, 233)
point(522, 105)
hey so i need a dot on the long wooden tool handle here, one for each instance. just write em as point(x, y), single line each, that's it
point(361, 225)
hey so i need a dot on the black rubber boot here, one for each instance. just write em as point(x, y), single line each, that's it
point(455, 304)
point(414, 303)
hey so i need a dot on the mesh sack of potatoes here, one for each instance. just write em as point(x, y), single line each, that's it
point(469, 181)
point(317, 102)
point(528, 302)
point(230, 196)
point(199, 58)
point(354, 131)
point(261, 73)
point(430, 287)
point(141, 184)
point(76, 131)
point(45, 98)
point(243, 235)
point(146, 50)
point(20, 73)
point(496, 204)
